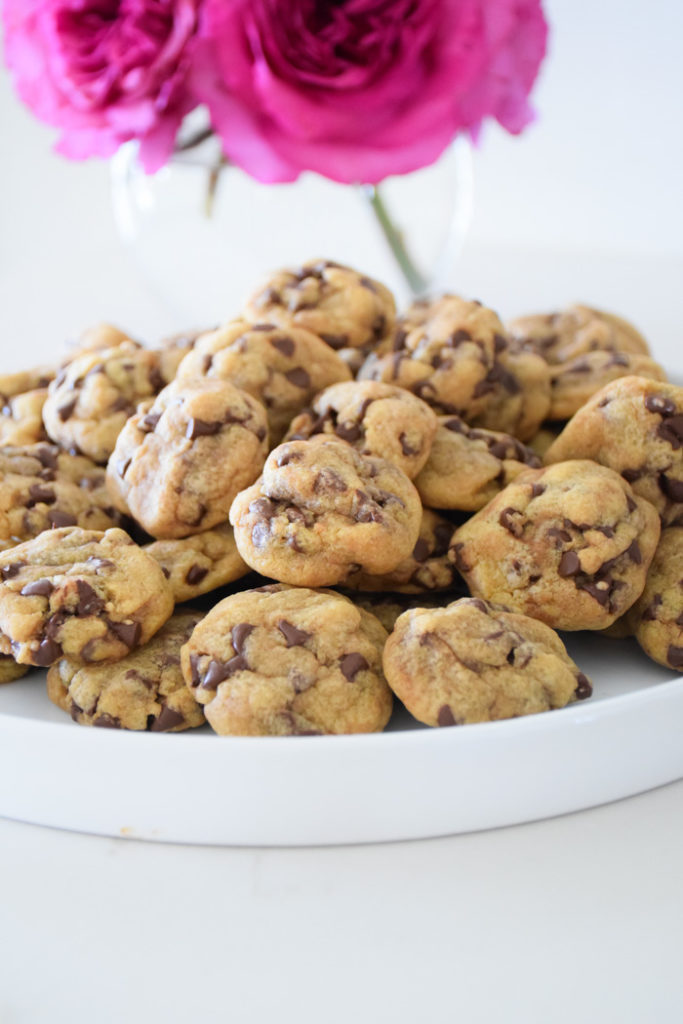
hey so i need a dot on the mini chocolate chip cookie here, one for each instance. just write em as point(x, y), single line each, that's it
point(92, 397)
point(342, 306)
point(467, 466)
point(173, 349)
point(145, 690)
point(284, 367)
point(569, 545)
point(377, 419)
point(565, 335)
point(475, 662)
point(180, 461)
point(426, 569)
point(97, 338)
point(287, 661)
point(43, 487)
point(657, 616)
point(80, 594)
point(322, 511)
point(577, 380)
point(21, 418)
point(198, 564)
point(634, 426)
point(10, 670)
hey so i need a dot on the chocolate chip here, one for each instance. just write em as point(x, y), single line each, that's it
point(672, 488)
point(122, 404)
point(406, 448)
point(660, 405)
point(195, 574)
point(445, 716)
point(39, 494)
point(600, 591)
point(379, 327)
point(509, 518)
point(328, 480)
point(39, 588)
point(631, 505)
point(99, 563)
point(201, 428)
point(569, 565)
point(365, 509)
point(583, 687)
point(421, 550)
point(457, 337)
point(650, 613)
point(348, 432)
point(674, 656)
point(421, 388)
point(89, 603)
point(9, 571)
point(127, 632)
point(298, 377)
point(166, 719)
point(456, 426)
point(47, 457)
point(47, 653)
point(294, 637)
point(58, 518)
point(216, 672)
point(284, 345)
point(106, 721)
point(194, 669)
point(352, 664)
point(537, 490)
point(65, 411)
point(634, 553)
point(149, 422)
point(671, 430)
point(239, 635)
point(458, 558)
point(260, 533)
point(335, 341)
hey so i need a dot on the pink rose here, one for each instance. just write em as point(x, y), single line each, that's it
point(360, 89)
point(104, 71)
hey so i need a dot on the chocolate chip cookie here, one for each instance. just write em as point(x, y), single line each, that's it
point(467, 466)
point(93, 396)
point(634, 426)
point(34, 379)
point(80, 594)
point(426, 569)
point(322, 511)
point(572, 332)
point(180, 461)
point(569, 545)
point(43, 487)
point(377, 419)
point(21, 418)
point(198, 564)
point(283, 367)
point(578, 379)
point(475, 662)
point(145, 690)
point(287, 661)
point(342, 306)
point(657, 616)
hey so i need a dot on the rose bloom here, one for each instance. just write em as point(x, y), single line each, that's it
point(360, 89)
point(104, 71)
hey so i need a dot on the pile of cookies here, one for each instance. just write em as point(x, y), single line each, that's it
point(400, 506)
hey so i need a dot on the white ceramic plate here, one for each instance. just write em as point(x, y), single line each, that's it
point(406, 783)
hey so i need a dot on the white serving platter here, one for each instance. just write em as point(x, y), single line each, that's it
point(406, 783)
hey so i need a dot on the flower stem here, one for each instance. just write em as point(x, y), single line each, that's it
point(414, 279)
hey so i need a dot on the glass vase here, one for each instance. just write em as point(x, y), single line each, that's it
point(203, 233)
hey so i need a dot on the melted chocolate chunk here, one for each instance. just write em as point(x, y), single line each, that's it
point(166, 719)
point(650, 613)
point(127, 632)
point(201, 428)
point(327, 480)
point(58, 518)
point(65, 411)
point(457, 337)
point(39, 588)
point(47, 653)
point(294, 637)
point(352, 664)
point(366, 510)
point(660, 405)
point(335, 341)
point(406, 448)
point(39, 494)
point(9, 571)
point(106, 721)
point(194, 669)
point(89, 603)
point(421, 550)
point(672, 488)
point(348, 432)
point(671, 430)
point(445, 716)
point(511, 520)
point(149, 422)
point(674, 656)
point(570, 564)
point(458, 558)
point(299, 378)
point(239, 635)
point(195, 574)
point(284, 345)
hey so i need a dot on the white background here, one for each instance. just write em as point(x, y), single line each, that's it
point(576, 918)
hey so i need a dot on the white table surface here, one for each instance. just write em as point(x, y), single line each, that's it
point(580, 917)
